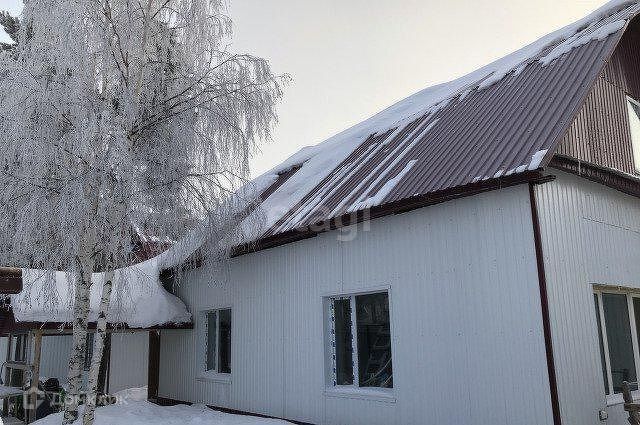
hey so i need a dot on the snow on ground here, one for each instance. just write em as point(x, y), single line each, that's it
point(145, 413)
point(138, 299)
point(320, 160)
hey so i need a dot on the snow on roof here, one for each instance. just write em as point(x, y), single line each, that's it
point(324, 166)
point(138, 299)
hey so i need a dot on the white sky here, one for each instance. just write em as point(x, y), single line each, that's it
point(352, 58)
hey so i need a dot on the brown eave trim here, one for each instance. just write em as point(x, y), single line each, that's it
point(544, 301)
point(397, 207)
point(61, 328)
point(606, 176)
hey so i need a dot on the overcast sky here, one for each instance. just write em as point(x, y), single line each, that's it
point(351, 58)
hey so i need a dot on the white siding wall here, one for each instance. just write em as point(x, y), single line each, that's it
point(591, 234)
point(54, 360)
point(468, 346)
point(129, 360)
point(3, 348)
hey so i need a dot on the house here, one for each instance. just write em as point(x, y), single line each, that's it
point(470, 255)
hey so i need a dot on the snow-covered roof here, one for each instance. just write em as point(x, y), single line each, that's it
point(137, 300)
point(503, 119)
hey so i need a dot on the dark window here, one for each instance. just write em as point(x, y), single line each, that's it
point(219, 341)
point(372, 330)
point(20, 352)
point(374, 341)
point(212, 339)
point(224, 352)
point(88, 351)
point(343, 342)
point(616, 317)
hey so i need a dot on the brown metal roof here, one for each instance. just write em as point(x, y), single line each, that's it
point(508, 128)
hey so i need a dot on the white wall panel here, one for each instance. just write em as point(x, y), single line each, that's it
point(591, 235)
point(54, 360)
point(129, 360)
point(468, 346)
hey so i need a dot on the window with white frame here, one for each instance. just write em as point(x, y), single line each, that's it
point(360, 341)
point(218, 347)
point(633, 109)
point(618, 318)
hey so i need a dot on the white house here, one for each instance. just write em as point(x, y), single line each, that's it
point(470, 255)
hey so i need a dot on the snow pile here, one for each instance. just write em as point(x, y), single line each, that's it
point(137, 300)
point(320, 160)
point(132, 394)
point(145, 413)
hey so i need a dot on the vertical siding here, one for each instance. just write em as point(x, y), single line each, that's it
point(4, 341)
point(54, 360)
point(600, 132)
point(468, 345)
point(591, 234)
point(129, 360)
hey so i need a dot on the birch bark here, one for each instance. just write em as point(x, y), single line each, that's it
point(76, 359)
point(98, 349)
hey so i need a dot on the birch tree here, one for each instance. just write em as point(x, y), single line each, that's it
point(120, 118)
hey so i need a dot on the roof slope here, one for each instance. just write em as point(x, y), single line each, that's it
point(504, 119)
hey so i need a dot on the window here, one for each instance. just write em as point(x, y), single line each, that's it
point(88, 351)
point(360, 341)
point(618, 318)
point(218, 349)
point(20, 347)
point(633, 108)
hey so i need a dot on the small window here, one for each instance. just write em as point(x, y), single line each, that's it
point(218, 349)
point(88, 351)
point(360, 336)
point(618, 319)
point(633, 108)
point(20, 347)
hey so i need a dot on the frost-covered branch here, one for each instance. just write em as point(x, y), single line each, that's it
point(121, 119)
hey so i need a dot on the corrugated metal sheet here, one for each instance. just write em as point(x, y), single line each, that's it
point(465, 312)
point(591, 235)
point(129, 360)
point(482, 135)
point(600, 133)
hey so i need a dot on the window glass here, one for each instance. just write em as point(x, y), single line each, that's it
point(601, 342)
point(374, 341)
point(616, 319)
point(634, 127)
point(224, 353)
point(88, 352)
point(20, 352)
point(343, 342)
point(212, 322)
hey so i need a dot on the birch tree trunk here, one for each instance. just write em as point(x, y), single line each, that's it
point(76, 359)
point(98, 349)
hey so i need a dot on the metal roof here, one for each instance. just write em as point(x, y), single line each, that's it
point(508, 128)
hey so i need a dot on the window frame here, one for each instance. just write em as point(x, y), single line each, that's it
point(354, 390)
point(215, 374)
point(630, 295)
point(635, 144)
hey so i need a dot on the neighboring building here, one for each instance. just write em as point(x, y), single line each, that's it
point(35, 324)
point(498, 281)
